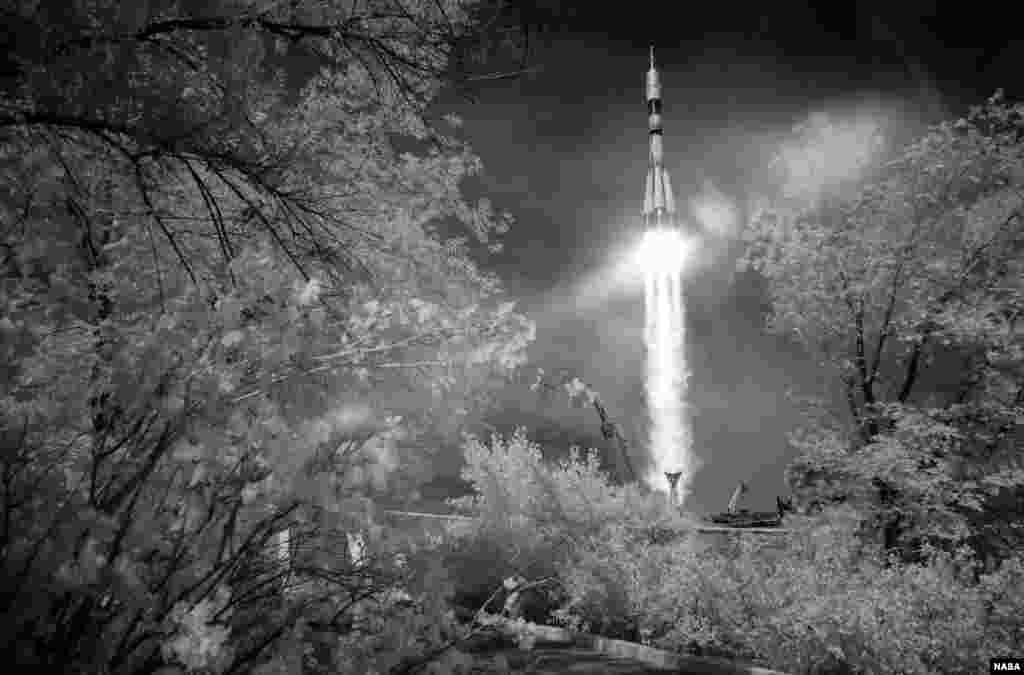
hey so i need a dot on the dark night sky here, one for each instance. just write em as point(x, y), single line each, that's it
point(565, 151)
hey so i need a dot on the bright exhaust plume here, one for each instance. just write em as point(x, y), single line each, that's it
point(662, 257)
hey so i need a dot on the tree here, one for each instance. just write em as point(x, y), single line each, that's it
point(222, 260)
point(579, 392)
point(914, 275)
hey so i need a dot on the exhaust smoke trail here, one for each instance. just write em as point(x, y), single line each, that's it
point(667, 371)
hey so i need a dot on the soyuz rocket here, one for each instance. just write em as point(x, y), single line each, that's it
point(659, 202)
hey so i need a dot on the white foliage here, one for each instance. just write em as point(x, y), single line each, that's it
point(309, 293)
point(232, 338)
point(197, 643)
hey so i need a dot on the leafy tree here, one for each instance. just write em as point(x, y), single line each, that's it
point(222, 259)
point(915, 274)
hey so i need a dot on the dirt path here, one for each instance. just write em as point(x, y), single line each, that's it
point(555, 660)
point(557, 650)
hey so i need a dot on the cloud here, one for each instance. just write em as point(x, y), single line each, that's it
point(716, 213)
point(830, 150)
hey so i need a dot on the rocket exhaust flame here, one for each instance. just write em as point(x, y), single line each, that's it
point(666, 379)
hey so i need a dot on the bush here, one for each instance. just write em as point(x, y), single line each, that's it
point(823, 599)
point(566, 521)
point(822, 602)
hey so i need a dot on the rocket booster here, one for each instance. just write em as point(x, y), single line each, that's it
point(659, 202)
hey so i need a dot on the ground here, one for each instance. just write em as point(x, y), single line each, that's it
point(556, 660)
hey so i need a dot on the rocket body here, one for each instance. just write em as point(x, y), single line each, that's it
point(659, 201)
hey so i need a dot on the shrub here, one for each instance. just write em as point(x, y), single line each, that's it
point(823, 599)
point(822, 602)
point(564, 520)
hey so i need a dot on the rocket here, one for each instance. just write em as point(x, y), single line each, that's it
point(659, 202)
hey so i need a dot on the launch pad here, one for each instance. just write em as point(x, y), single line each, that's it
point(673, 487)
